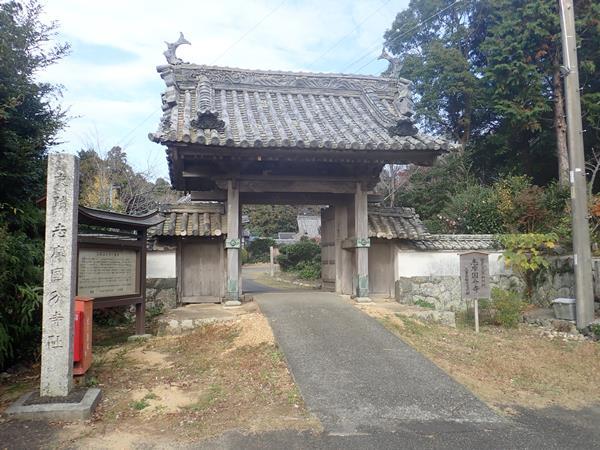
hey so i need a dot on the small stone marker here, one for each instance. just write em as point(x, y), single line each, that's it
point(59, 275)
point(475, 279)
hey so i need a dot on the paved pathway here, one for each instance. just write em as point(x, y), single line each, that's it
point(359, 378)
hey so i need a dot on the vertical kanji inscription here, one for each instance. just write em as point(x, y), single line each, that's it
point(59, 275)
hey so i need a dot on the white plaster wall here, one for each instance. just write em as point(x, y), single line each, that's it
point(410, 263)
point(160, 264)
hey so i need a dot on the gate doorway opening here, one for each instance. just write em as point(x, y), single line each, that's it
point(236, 137)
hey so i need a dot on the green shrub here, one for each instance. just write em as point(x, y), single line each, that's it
point(526, 255)
point(506, 308)
point(112, 317)
point(244, 255)
point(21, 259)
point(309, 270)
point(424, 304)
point(258, 250)
point(293, 254)
point(473, 210)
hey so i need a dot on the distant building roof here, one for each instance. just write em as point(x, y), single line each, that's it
point(229, 107)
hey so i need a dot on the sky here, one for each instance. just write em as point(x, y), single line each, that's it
point(110, 84)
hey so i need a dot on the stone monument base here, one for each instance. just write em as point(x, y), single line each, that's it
point(26, 407)
point(363, 299)
point(138, 337)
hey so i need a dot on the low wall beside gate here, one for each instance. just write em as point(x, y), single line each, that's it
point(433, 277)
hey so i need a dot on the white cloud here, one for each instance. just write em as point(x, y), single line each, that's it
point(112, 99)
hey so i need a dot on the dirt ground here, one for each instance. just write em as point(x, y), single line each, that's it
point(178, 389)
point(506, 368)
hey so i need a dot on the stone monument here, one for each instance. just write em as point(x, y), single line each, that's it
point(59, 275)
point(60, 268)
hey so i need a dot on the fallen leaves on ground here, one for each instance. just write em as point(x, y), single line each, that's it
point(505, 367)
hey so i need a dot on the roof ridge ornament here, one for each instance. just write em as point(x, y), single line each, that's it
point(207, 116)
point(395, 63)
point(403, 102)
point(172, 49)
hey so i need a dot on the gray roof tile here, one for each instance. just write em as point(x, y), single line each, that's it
point(457, 242)
point(395, 223)
point(191, 219)
point(220, 106)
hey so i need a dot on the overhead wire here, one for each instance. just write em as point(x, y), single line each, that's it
point(406, 33)
point(241, 38)
point(383, 4)
point(271, 12)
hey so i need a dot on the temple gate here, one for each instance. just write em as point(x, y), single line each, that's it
point(266, 137)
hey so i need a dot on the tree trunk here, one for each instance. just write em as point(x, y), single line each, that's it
point(560, 127)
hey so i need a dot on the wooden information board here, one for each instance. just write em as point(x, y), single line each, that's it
point(108, 272)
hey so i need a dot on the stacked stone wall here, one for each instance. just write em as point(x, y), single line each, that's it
point(444, 291)
point(161, 293)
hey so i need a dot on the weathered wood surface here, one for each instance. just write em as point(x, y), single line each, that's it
point(293, 185)
point(361, 227)
point(201, 271)
point(328, 273)
point(381, 275)
point(233, 244)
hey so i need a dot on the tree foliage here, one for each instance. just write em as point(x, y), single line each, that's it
point(526, 254)
point(450, 200)
point(268, 220)
point(29, 121)
point(487, 74)
point(259, 250)
point(303, 257)
point(110, 183)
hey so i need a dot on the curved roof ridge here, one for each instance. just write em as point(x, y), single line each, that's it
point(194, 66)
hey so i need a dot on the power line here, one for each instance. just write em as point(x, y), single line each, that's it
point(423, 22)
point(311, 64)
point(133, 130)
point(269, 14)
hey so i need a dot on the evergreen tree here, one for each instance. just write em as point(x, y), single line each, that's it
point(29, 121)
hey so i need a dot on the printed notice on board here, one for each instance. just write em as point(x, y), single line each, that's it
point(107, 273)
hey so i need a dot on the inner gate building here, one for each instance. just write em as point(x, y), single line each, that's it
point(236, 136)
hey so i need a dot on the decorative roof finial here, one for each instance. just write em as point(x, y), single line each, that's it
point(172, 48)
point(395, 63)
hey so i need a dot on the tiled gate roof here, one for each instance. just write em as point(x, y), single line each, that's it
point(220, 106)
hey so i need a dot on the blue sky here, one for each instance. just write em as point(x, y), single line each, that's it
point(110, 82)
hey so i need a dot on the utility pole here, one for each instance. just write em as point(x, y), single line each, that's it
point(579, 203)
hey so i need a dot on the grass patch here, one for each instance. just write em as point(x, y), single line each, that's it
point(218, 377)
point(215, 392)
point(276, 356)
point(507, 366)
point(139, 404)
point(424, 304)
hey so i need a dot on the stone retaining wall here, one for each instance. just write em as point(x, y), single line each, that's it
point(444, 291)
point(161, 293)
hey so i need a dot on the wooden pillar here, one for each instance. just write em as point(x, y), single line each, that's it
point(344, 264)
point(140, 308)
point(233, 244)
point(361, 228)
